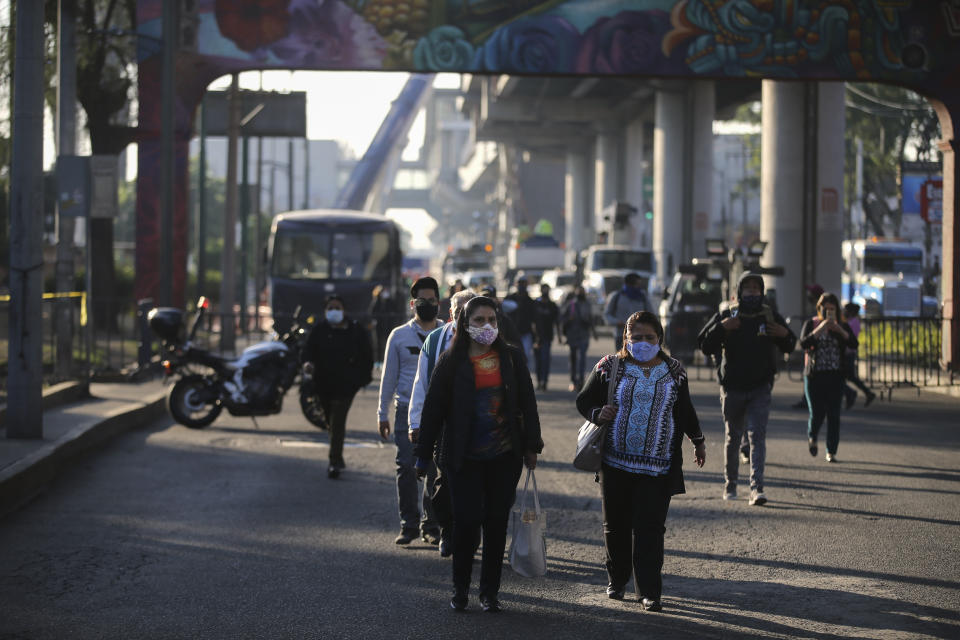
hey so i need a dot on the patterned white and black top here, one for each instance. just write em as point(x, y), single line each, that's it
point(640, 438)
point(824, 352)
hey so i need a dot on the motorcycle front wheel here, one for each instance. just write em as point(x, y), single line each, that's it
point(192, 404)
point(310, 406)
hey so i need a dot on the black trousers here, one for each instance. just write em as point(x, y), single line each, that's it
point(634, 511)
point(482, 494)
point(336, 408)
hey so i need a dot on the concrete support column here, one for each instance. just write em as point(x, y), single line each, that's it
point(831, 154)
point(606, 168)
point(949, 146)
point(668, 145)
point(639, 236)
point(702, 111)
point(781, 190)
point(578, 230)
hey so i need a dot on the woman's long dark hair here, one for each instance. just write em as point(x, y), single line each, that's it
point(461, 341)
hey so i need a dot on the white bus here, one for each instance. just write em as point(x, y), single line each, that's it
point(884, 277)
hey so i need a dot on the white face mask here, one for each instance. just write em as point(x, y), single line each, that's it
point(485, 335)
point(334, 316)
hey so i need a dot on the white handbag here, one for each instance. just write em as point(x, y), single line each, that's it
point(528, 548)
point(591, 435)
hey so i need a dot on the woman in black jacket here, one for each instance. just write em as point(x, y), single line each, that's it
point(825, 340)
point(642, 459)
point(481, 413)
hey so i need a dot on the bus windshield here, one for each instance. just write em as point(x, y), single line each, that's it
point(885, 261)
point(634, 260)
point(327, 254)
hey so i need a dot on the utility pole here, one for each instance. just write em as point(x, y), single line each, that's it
point(258, 257)
point(24, 417)
point(228, 280)
point(289, 174)
point(244, 223)
point(66, 146)
point(306, 173)
point(202, 205)
point(167, 123)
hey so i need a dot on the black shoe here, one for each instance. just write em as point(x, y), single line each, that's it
point(490, 604)
point(851, 398)
point(614, 593)
point(430, 537)
point(446, 547)
point(459, 601)
point(333, 472)
point(812, 445)
point(406, 537)
point(649, 604)
point(870, 398)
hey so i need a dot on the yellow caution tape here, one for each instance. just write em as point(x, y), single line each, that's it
point(65, 294)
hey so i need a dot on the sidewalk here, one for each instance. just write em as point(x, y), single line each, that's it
point(69, 430)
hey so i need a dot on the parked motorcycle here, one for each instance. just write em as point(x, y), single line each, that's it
point(252, 384)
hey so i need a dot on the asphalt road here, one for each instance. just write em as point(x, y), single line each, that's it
point(236, 532)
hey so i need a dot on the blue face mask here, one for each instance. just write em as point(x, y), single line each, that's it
point(643, 351)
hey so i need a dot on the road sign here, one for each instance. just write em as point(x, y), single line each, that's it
point(282, 115)
point(931, 201)
point(73, 185)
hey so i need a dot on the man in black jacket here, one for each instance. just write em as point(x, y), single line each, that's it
point(746, 340)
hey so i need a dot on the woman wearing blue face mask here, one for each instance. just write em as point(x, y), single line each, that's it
point(340, 352)
point(641, 467)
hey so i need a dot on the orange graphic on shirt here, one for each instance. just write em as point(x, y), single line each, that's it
point(486, 370)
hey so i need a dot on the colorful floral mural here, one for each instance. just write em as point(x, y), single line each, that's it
point(911, 42)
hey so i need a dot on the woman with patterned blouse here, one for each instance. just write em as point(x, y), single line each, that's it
point(824, 340)
point(641, 467)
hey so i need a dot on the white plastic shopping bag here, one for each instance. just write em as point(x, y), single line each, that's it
point(528, 549)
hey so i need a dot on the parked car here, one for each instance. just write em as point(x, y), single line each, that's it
point(692, 297)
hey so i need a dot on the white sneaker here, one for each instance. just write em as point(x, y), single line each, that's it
point(757, 497)
point(831, 457)
point(730, 492)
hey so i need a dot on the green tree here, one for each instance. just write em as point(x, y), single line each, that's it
point(886, 119)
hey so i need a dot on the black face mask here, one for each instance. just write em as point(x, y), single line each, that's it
point(751, 304)
point(426, 311)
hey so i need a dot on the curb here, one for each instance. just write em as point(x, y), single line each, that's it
point(25, 479)
point(57, 395)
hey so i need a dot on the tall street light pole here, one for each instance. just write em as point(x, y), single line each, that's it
point(24, 417)
point(66, 146)
point(228, 278)
point(167, 123)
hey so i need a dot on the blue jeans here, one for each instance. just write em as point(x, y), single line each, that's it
point(408, 489)
point(543, 362)
point(578, 362)
point(824, 392)
point(527, 344)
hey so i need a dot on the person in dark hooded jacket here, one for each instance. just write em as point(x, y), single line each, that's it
point(746, 339)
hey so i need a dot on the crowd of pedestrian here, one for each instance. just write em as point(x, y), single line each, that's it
point(457, 379)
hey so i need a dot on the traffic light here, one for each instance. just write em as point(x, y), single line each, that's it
point(648, 215)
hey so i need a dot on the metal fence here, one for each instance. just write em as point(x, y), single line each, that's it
point(898, 352)
point(893, 353)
